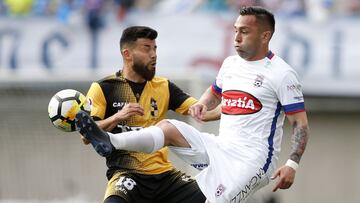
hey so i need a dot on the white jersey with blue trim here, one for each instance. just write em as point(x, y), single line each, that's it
point(255, 96)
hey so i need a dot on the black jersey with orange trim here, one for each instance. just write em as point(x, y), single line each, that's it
point(159, 95)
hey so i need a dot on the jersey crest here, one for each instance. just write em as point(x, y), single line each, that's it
point(259, 80)
point(154, 107)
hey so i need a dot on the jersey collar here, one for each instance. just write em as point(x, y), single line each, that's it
point(270, 55)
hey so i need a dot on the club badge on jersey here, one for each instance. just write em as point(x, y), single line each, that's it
point(259, 80)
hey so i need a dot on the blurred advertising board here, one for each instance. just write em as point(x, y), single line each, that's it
point(324, 54)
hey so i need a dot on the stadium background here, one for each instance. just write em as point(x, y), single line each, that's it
point(46, 46)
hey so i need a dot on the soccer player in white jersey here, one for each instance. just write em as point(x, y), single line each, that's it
point(256, 89)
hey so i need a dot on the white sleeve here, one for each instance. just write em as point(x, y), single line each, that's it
point(218, 83)
point(290, 93)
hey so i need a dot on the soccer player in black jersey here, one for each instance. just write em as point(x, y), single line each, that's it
point(131, 99)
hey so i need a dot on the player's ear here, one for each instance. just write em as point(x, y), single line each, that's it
point(266, 36)
point(125, 53)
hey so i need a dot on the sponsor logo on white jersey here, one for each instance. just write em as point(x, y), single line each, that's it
point(249, 187)
point(199, 166)
point(294, 87)
point(236, 102)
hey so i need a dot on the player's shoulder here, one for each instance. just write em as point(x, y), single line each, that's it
point(280, 63)
point(281, 67)
point(106, 78)
point(109, 82)
point(232, 59)
point(281, 71)
point(112, 78)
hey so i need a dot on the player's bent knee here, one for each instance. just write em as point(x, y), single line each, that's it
point(172, 135)
point(168, 128)
point(163, 124)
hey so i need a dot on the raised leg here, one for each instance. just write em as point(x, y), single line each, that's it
point(98, 138)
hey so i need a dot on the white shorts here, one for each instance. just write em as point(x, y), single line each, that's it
point(228, 175)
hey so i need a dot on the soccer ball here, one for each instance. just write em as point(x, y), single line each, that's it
point(63, 107)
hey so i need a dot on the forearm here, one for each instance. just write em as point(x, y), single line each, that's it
point(107, 124)
point(209, 99)
point(299, 140)
point(213, 115)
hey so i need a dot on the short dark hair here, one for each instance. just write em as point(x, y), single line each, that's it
point(262, 15)
point(131, 34)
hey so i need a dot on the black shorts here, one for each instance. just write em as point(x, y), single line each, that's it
point(169, 187)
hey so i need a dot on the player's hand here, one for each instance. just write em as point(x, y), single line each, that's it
point(84, 140)
point(130, 109)
point(286, 176)
point(197, 111)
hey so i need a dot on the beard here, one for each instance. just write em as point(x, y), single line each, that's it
point(142, 70)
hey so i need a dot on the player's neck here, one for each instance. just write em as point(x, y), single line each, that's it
point(259, 56)
point(131, 75)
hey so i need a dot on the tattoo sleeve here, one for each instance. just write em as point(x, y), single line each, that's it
point(299, 141)
point(211, 103)
point(210, 100)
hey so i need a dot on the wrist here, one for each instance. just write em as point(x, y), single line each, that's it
point(115, 119)
point(292, 164)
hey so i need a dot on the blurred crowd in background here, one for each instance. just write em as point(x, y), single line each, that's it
point(119, 9)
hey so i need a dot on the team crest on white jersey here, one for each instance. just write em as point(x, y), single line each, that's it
point(236, 102)
point(219, 190)
point(258, 80)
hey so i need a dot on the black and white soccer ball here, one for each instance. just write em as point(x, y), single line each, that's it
point(63, 107)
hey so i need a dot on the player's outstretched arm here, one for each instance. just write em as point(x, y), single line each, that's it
point(286, 173)
point(208, 101)
point(108, 124)
point(213, 114)
point(129, 110)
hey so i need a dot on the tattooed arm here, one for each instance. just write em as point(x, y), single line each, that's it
point(299, 140)
point(300, 136)
point(208, 101)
